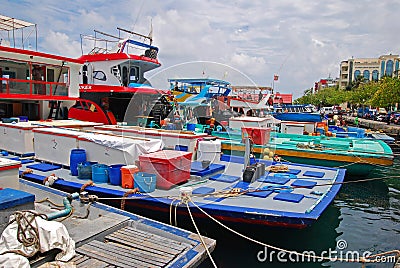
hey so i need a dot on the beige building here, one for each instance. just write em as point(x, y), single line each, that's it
point(371, 69)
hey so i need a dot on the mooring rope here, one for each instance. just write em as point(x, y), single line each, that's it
point(201, 238)
point(360, 260)
point(49, 201)
point(170, 212)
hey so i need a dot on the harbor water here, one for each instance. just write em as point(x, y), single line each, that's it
point(363, 219)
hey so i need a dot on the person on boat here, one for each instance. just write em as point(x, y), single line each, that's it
point(270, 101)
point(356, 121)
point(37, 76)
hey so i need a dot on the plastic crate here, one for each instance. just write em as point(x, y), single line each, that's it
point(171, 167)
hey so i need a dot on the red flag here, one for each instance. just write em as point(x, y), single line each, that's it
point(276, 77)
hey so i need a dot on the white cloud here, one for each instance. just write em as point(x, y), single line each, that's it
point(61, 44)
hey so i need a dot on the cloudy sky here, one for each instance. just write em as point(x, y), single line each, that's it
point(243, 42)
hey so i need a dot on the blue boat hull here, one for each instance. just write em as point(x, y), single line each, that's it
point(160, 208)
point(298, 117)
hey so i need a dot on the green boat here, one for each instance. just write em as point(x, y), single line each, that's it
point(358, 156)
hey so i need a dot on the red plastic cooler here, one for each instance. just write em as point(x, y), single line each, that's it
point(259, 135)
point(171, 167)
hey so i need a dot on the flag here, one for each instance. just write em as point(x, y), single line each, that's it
point(276, 77)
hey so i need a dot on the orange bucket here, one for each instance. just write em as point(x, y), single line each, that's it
point(127, 176)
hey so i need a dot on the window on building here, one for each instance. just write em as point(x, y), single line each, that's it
point(356, 74)
point(375, 75)
point(389, 68)
point(366, 75)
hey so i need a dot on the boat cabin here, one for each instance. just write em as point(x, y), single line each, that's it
point(35, 79)
point(113, 81)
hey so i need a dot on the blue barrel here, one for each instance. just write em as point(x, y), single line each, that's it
point(100, 173)
point(114, 174)
point(77, 156)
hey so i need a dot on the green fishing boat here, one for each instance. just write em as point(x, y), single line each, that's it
point(358, 156)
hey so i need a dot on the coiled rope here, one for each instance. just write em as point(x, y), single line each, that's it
point(27, 231)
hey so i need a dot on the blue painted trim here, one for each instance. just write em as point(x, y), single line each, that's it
point(184, 259)
point(133, 42)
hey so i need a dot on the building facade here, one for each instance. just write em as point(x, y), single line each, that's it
point(371, 69)
point(324, 83)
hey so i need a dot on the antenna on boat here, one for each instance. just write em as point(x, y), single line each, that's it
point(138, 34)
point(106, 34)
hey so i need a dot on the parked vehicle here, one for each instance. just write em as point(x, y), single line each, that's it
point(337, 109)
point(381, 117)
point(381, 111)
point(326, 110)
point(395, 118)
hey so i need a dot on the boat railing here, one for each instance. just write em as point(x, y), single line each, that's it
point(98, 50)
point(23, 88)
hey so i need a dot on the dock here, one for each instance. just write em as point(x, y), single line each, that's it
point(392, 129)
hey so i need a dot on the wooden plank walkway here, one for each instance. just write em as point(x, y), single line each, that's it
point(129, 247)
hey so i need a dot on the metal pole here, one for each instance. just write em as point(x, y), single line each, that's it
point(273, 85)
point(247, 150)
point(36, 35)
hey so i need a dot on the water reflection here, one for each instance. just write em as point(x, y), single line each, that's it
point(370, 214)
point(365, 215)
point(233, 251)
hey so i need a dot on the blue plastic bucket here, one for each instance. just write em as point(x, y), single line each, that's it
point(191, 127)
point(100, 173)
point(77, 156)
point(114, 174)
point(145, 182)
point(85, 171)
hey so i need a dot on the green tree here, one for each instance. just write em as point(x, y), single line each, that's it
point(383, 93)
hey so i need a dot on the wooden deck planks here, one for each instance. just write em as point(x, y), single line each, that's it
point(142, 244)
point(128, 247)
point(154, 238)
point(140, 255)
point(98, 253)
point(89, 263)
